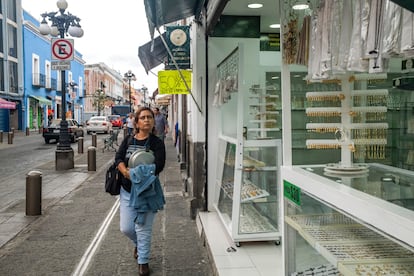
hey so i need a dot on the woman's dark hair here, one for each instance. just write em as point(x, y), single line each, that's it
point(138, 114)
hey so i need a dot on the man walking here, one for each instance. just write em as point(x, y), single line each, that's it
point(161, 124)
point(130, 121)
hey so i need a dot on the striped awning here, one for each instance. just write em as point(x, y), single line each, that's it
point(4, 104)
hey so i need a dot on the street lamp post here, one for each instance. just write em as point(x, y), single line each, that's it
point(62, 24)
point(129, 76)
point(73, 86)
point(144, 90)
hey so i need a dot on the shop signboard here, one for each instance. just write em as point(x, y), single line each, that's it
point(178, 41)
point(171, 82)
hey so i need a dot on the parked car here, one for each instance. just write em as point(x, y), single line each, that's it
point(52, 132)
point(98, 124)
point(115, 120)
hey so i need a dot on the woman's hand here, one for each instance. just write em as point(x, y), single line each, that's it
point(126, 173)
point(123, 169)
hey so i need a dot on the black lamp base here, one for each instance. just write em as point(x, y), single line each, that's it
point(64, 159)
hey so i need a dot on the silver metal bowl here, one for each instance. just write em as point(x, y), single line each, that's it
point(141, 157)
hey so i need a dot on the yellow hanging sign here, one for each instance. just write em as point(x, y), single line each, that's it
point(170, 82)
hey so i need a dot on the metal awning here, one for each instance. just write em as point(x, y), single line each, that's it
point(161, 12)
point(42, 100)
point(153, 53)
point(407, 4)
point(5, 104)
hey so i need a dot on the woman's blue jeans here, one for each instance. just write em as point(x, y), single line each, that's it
point(139, 234)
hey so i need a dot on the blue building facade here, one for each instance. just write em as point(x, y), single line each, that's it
point(11, 66)
point(43, 85)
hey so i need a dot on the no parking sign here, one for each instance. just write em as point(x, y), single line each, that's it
point(62, 49)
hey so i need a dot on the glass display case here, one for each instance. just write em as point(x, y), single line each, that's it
point(247, 198)
point(342, 222)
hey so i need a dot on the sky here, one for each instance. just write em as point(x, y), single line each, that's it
point(113, 32)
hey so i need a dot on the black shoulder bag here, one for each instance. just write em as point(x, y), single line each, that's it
point(113, 178)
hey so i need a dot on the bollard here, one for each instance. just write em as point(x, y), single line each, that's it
point(94, 139)
point(1, 136)
point(10, 138)
point(27, 131)
point(12, 131)
point(80, 145)
point(34, 193)
point(91, 158)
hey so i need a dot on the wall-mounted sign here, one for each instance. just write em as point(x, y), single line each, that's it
point(170, 82)
point(178, 41)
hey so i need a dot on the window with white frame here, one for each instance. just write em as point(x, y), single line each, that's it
point(35, 69)
point(80, 87)
point(48, 74)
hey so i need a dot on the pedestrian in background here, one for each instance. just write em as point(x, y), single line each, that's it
point(161, 124)
point(135, 224)
point(130, 121)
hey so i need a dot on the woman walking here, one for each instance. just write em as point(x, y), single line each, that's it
point(136, 215)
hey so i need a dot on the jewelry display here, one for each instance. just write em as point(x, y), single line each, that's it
point(383, 267)
point(247, 194)
point(250, 163)
point(354, 248)
point(330, 219)
point(263, 109)
point(251, 221)
point(367, 251)
point(322, 270)
point(361, 113)
point(250, 191)
point(342, 234)
point(227, 78)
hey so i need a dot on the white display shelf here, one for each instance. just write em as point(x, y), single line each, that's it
point(322, 96)
point(251, 191)
point(264, 121)
point(369, 126)
point(370, 141)
point(338, 242)
point(251, 221)
point(248, 192)
point(264, 129)
point(264, 96)
point(370, 92)
point(323, 111)
point(367, 109)
point(388, 218)
point(331, 219)
point(263, 104)
point(250, 162)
